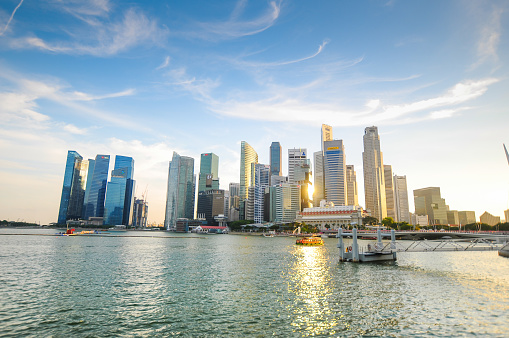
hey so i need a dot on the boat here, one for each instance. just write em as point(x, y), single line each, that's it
point(269, 234)
point(504, 251)
point(309, 241)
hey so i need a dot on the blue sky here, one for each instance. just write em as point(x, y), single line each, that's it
point(144, 79)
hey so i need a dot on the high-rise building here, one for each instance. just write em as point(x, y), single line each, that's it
point(70, 171)
point(262, 180)
point(140, 213)
point(489, 219)
point(428, 201)
point(249, 203)
point(295, 158)
point(335, 172)
point(466, 217)
point(276, 159)
point(506, 213)
point(319, 186)
point(120, 193)
point(96, 191)
point(390, 199)
point(303, 176)
point(401, 197)
point(374, 183)
point(181, 189)
point(208, 178)
point(351, 185)
point(287, 202)
point(453, 217)
point(248, 157)
point(211, 203)
point(90, 175)
point(234, 203)
point(326, 135)
point(79, 184)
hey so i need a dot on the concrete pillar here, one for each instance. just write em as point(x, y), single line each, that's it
point(341, 247)
point(379, 237)
point(355, 246)
point(393, 239)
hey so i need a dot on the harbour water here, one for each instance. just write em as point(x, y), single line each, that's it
point(165, 284)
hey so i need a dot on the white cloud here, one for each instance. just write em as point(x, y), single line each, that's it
point(165, 63)
point(489, 39)
point(74, 130)
point(10, 18)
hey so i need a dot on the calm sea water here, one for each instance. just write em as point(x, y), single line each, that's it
point(163, 284)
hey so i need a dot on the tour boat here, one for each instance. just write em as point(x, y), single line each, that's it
point(309, 241)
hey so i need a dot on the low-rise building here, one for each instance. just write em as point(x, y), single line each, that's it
point(489, 219)
point(331, 217)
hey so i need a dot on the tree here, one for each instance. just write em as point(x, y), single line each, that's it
point(369, 220)
point(389, 222)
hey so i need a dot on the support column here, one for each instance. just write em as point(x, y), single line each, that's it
point(340, 245)
point(355, 246)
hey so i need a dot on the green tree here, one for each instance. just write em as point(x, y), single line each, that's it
point(389, 222)
point(369, 220)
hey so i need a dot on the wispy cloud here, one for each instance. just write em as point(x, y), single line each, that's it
point(236, 26)
point(10, 18)
point(284, 108)
point(487, 45)
point(102, 38)
point(165, 63)
point(200, 88)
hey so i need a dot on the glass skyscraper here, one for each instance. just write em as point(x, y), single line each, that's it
point(262, 180)
point(335, 172)
point(276, 157)
point(180, 192)
point(120, 192)
point(94, 205)
point(209, 172)
point(70, 171)
point(79, 183)
point(248, 158)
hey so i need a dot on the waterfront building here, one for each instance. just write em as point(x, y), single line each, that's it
point(262, 180)
point(275, 180)
point(453, 217)
point(319, 186)
point(506, 215)
point(330, 217)
point(401, 199)
point(489, 219)
point(276, 156)
point(428, 201)
point(295, 158)
point(351, 186)
point(208, 178)
point(466, 217)
point(140, 213)
point(79, 184)
point(335, 172)
point(211, 203)
point(180, 191)
point(90, 174)
point(303, 176)
point(419, 220)
point(96, 191)
point(248, 157)
point(390, 199)
point(234, 202)
point(120, 192)
point(70, 171)
point(374, 182)
point(287, 202)
point(249, 203)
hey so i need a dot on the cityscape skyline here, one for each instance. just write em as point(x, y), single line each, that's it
point(149, 80)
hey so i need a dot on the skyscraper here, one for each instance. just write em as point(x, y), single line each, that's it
point(120, 193)
point(374, 183)
point(262, 180)
point(319, 186)
point(326, 134)
point(429, 202)
point(211, 203)
point(303, 175)
point(335, 172)
point(390, 199)
point(401, 195)
point(275, 159)
point(351, 185)
point(287, 202)
point(181, 189)
point(208, 178)
point(73, 160)
point(248, 157)
point(96, 191)
point(295, 158)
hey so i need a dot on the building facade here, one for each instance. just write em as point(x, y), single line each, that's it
point(211, 204)
point(248, 157)
point(286, 200)
point(335, 172)
point(390, 198)
point(120, 192)
point(332, 217)
point(276, 159)
point(208, 178)
point(262, 180)
point(374, 182)
point(489, 219)
point(401, 198)
point(180, 191)
point(351, 186)
point(466, 217)
point(428, 201)
point(319, 186)
point(140, 213)
point(96, 191)
point(303, 175)
point(295, 157)
point(71, 164)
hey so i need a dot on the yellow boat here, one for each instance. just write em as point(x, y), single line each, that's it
point(310, 241)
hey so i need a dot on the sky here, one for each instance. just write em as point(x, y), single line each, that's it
point(145, 79)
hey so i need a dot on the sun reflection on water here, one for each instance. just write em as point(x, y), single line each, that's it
point(309, 282)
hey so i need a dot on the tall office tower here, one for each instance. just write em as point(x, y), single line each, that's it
point(468, 217)
point(303, 175)
point(335, 172)
point(140, 213)
point(276, 159)
point(234, 203)
point(96, 191)
point(70, 171)
point(248, 156)
point(351, 185)
point(262, 180)
point(429, 202)
point(120, 193)
point(326, 134)
point(249, 204)
point(181, 188)
point(401, 196)
point(211, 203)
point(390, 199)
point(453, 217)
point(374, 183)
point(208, 178)
point(319, 192)
point(274, 180)
point(79, 184)
point(295, 157)
point(286, 198)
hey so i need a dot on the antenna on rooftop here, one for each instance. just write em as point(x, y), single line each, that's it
point(506, 153)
